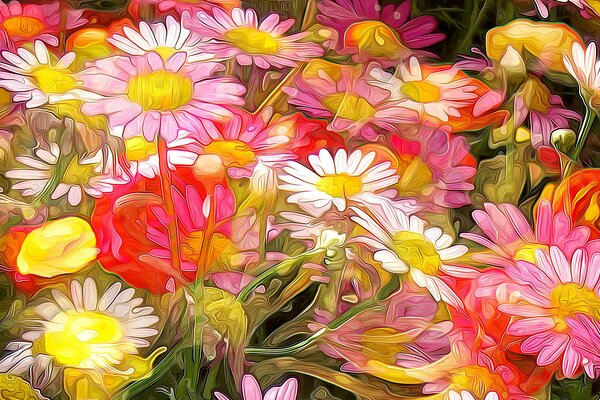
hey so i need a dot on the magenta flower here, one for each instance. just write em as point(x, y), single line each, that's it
point(372, 32)
point(146, 95)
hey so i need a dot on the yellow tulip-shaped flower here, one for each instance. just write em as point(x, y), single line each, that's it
point(58, 247)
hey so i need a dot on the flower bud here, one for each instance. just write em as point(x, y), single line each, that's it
point(563, 140)
point(514, 66)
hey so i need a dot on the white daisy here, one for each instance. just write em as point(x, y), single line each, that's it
point(83, 331)
point(437, 93)
point(403, 243)
point(465, 395)
point(345, 179)
point(35, 79)
point(584, 66)
point(91, 174)
point(165, 38)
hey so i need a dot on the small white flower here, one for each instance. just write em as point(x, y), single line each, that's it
point(584, 66)
point(466, 395)
point(91, 174)
point(339, 181)
point(404, 243)
point(165, 38)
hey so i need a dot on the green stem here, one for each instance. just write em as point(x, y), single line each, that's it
point(336, 323)
point(584, 130)
point(287, 263)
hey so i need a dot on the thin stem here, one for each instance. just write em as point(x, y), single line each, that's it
point(167, 194)
point(286, 350)
point(584, 130)
point(287, 263)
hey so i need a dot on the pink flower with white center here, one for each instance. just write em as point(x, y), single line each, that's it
point(372, 32)
point(350, 103)
point(146, 95)
point(511, 238)
point(26, 23)
point(548, 299)
point(404, 244)
point(238, 34)
point(339, 180)
point(38, 78)
point(436, 167)
point(165, 38)
point(240, 142)
point(251, 390)
point(94, 174)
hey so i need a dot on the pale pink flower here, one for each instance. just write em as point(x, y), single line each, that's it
point(241, 142)
point(407, 317)
point(439, 169)
point(350, 103)
point(549, 298)
point(151, 96)
point(511, 238)
point(239, 34)
point(251, 390)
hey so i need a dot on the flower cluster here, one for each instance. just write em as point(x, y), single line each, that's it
point(202, 200)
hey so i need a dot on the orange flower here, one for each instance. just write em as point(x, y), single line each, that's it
point(578, 196)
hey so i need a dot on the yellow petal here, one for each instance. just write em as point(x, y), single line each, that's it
point(58, 247)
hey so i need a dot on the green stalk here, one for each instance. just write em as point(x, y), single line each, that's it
point(584, 130)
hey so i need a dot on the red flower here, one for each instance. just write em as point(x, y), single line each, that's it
point(158, 241)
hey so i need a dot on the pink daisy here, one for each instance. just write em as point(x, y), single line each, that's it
point(511, 238)
point(372, 32)
point(349, 101)
point(437, 168)
point(549, 299)
point(240, 142)
point(251, 390)
point(21, 24)
point(151, 96)
point(239, 35)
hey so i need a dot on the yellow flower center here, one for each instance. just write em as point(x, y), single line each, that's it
point(374, 39)
point(421, 91)
point(139, 149)
point(349, 106)
point(479, 381)
point(526, 252)
point(22, 26)
point(165, 52)
point(569, 299)
point(160, 90)
point(78, 174)
point(232, 152)
point(252, 41)
point(417, 252)
point(75, 337)
point(340, 185)
point(52, 80)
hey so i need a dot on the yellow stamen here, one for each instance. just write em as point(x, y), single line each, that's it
point(417, 252)
point(232, 152)
point(79, 174)
point(374, 39)
point(53, 80)
point(252, 41)
point(160, 90)
point(421, 91)
point(569, 299)
point(341, 185)
point(22, 26)
point(139, 149)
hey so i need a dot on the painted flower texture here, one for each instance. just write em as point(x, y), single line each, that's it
point(300, 199)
